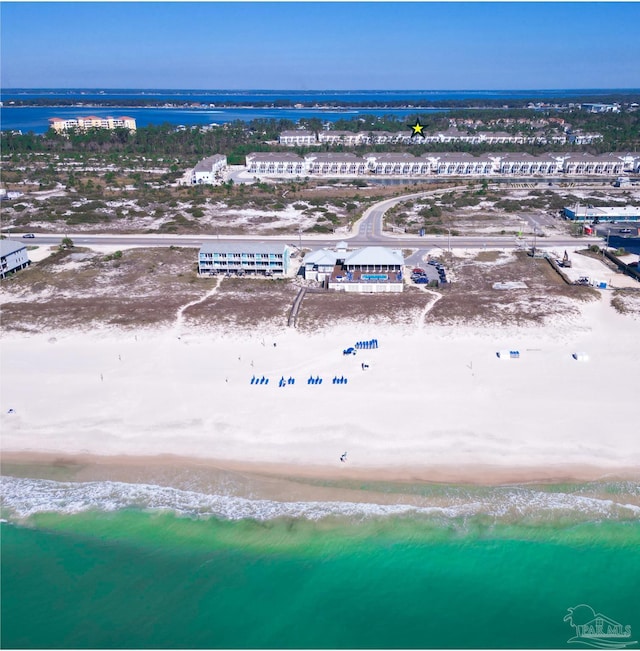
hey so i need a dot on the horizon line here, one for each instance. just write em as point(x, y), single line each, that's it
point(316, 90)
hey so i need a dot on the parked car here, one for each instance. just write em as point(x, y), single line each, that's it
point(625, 231)
point(421, 280)
point(417, 270)
point(29, 235)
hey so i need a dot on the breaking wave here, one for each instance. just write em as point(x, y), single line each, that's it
point(22, 498)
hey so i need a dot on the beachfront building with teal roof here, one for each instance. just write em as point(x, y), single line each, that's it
point(266, 258)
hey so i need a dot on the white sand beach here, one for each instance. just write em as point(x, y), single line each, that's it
point(435, 403)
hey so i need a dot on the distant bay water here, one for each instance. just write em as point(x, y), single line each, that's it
point(36, 118)
point(251, 104)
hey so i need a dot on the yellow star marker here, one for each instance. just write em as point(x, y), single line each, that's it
point(417, 129)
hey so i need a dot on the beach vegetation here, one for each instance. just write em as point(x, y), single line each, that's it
point(116, 255)
point(626, 301)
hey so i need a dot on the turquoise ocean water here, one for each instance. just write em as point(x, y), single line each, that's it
point(109, 565)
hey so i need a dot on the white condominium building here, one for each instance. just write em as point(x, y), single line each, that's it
point(92, 122)
point(298, 138)
point(342, 164)
point(461, 163)
point(276, 164)
point(395, 164)
point(347, 138)
point(588, 164)
point(335, 163)
point(527, 164)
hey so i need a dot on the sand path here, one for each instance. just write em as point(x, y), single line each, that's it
point(179, 321)
point(428, 307)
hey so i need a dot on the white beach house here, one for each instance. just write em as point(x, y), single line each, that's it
point(209, 170)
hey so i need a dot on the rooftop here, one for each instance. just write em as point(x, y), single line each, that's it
point(274, 156)
point(206, 164)
point(374, 255)
point(7, 247)
point(218, 246)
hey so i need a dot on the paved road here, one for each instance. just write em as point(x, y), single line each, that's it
point(361, 239)
point(367, 231)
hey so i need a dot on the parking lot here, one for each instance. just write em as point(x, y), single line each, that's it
point(431, 272)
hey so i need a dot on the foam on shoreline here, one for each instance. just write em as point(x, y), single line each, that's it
point(23, 497)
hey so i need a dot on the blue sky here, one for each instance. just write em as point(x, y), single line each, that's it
point(314, 46)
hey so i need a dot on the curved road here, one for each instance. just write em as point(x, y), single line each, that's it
point(367, 231)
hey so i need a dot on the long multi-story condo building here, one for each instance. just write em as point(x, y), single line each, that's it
point(92, 122)
point(303, 138)
point(266, 258)
point(288, 165)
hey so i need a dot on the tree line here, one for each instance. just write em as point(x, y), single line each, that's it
point(407, 102)
point(621, 132)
